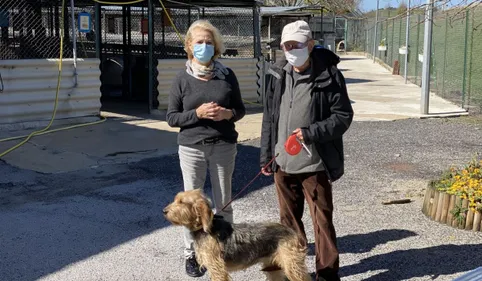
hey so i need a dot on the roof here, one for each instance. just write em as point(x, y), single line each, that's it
point(293, 11)
point(270, 11)
point(180, 3)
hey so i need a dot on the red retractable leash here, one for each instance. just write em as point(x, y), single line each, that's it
point(293, 147)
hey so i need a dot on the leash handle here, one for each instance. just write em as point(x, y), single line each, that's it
point(239, 193)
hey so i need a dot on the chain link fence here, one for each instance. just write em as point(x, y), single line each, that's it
point(235, 25)
point(31, 29)
point(456, 50)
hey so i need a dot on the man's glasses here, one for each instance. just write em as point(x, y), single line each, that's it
point(292, 46)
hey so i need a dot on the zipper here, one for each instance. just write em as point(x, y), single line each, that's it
point(292, 88)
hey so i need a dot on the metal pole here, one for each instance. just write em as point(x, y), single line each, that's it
point(345, 35)
point(98, 31)
point(427, 54)
point(445, 54)
point(322, 41)
point(74, 37)
point(150, 42)
point(375, 36)
point(464, 88)
point(407, 38)
point(256, 29)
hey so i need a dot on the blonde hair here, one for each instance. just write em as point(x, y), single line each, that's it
point(205, 25)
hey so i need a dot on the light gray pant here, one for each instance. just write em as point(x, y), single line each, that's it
point(195, 160)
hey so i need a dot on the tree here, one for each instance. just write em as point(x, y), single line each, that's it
point(283, 3)
point(402, 8)
point(338, 6)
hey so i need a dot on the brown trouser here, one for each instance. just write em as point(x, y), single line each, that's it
point(292, 190)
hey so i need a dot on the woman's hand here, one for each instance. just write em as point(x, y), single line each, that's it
point(223, 114)
point(207, 110)
point(214, 112)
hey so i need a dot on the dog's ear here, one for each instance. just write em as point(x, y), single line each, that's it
point(204, 214)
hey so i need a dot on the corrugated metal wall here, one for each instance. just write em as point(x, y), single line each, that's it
point(30, 87)
point(245, 70)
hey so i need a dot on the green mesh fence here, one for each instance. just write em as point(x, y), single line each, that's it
point(456, 50)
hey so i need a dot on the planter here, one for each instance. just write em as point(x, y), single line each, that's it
point(382, 48)
point(420, 57)
point(438, 206)
point(402, 51)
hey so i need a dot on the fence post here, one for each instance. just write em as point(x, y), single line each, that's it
point(445, 54)
point(98, 31)
point(427, 54)
point(256, 29)
point(416, 47)
point(407, 38)
point(346, 33)
point(376, 31)
point(399, 40)
point(393, 33)
point(471, 54)
point(465, 56)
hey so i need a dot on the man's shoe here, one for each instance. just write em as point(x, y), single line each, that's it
point(192, 267)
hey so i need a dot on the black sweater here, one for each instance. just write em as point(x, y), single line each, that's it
point(188, 93)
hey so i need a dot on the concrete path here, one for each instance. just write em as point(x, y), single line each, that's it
point(378, 95)
point(375, 92)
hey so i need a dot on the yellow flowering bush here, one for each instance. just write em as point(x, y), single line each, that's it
point(465, 183)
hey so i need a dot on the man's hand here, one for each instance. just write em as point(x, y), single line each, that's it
point(298, 134)
point(267, 171)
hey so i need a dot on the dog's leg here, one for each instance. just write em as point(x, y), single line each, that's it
point(291, 257)
point(272, 271)
point(209, 255)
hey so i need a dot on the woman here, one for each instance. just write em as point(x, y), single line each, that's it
point(205, 102)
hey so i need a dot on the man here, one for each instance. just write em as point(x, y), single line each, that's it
point(307, 96)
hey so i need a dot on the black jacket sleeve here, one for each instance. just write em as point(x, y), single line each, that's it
point(265, 153)
point(176, 116)
point(341, 114)
point(237, 105)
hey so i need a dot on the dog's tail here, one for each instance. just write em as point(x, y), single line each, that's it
point(291, 256)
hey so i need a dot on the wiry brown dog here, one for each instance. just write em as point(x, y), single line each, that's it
point(222, 247)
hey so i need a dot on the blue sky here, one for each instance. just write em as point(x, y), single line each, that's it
point(368, 5)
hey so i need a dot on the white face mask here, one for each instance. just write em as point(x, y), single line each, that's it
point(297, 57)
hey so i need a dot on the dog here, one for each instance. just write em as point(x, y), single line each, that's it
point(222, 247)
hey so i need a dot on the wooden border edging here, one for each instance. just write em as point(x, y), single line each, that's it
point(438, 207)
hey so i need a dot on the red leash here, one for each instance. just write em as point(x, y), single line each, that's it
point(259, 174)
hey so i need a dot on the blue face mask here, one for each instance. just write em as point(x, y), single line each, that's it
point(203, 52)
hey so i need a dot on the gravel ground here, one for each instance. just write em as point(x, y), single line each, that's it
point(105, 223)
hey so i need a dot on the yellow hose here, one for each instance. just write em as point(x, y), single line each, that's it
point(59, 78)
point(47, 130)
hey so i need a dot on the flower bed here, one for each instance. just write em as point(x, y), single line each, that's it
point(456, 198)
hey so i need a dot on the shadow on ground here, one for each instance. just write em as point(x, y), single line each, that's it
point(363, 243)
point(431, 261)
point(352, 58)
point(57, 220)
point(356, 81)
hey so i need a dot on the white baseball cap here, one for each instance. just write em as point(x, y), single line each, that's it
point(298, 31)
